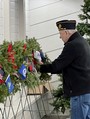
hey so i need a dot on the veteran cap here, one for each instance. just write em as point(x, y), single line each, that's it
point(66, 24)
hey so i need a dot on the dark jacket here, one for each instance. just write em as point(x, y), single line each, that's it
point(74, 64)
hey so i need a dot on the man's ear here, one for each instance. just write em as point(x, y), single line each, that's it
point(66, 31)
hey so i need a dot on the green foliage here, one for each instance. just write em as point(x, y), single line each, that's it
point(86, 11)
point(19, 54)
point(46, 76)
point(84, 27)
point(60, 103)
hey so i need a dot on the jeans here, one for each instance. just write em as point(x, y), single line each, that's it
point(80, 107)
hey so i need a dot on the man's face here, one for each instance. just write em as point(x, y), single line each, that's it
point(63, 35)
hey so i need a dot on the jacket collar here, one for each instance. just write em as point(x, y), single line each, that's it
point(72, 37)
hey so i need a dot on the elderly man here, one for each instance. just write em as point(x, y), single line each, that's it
point(74, 64)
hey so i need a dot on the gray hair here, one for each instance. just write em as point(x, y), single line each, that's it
point(71, 31)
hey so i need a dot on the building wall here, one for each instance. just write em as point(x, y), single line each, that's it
point(1, 22)
point(41, 18)
point(12, 20)
point(17, 20)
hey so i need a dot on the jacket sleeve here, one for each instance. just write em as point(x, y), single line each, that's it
point(65, 59)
